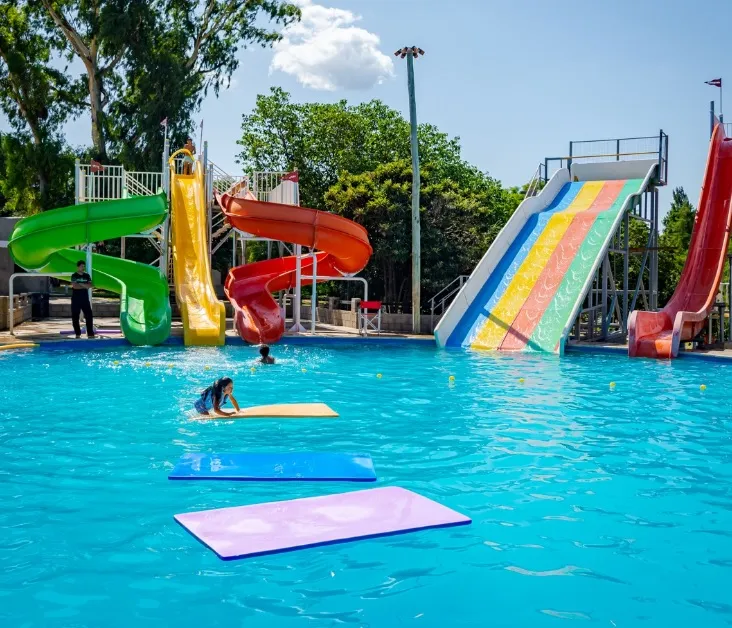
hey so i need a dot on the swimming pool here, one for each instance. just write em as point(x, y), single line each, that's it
point(609, 506)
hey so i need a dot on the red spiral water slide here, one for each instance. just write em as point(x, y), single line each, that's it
point(343, 249)
point(659, 334)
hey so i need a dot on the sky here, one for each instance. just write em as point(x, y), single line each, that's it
point(516, 80)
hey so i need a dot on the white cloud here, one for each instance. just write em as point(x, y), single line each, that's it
point(326, 51)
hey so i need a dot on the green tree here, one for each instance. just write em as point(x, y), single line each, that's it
point(324, 140)
point(458, 224)
point(146, 60)
point(678, 225)
point(37, 98)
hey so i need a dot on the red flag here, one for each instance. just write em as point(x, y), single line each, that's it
point(293, 176)
point(95, 166)
point(164, 122)
point(714, 82)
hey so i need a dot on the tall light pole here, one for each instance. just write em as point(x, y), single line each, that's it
point(411, 53)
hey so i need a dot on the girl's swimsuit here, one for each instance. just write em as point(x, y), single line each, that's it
point(205, 403)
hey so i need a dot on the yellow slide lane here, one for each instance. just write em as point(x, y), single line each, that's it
point(204, 316)
point(499, 321)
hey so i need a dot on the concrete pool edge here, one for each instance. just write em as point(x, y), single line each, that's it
point(623, 350)
point(177, 341)
point(83, 344)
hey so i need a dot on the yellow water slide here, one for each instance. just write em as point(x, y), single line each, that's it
point(204, 316)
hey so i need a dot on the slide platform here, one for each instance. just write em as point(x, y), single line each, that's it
point(44, 242)
point(344, 245)
point(527, 289)
point(203, 315)
point(660, 334)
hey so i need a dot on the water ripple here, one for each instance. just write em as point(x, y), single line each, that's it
point(620, 500)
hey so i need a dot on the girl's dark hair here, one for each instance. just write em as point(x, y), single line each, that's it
point(218, 388)
point(264, 351)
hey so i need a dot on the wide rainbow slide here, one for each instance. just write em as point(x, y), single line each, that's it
point(203, 315)
point(344, 245)
point(44, 242)
point(526, 291)
point(660, 334)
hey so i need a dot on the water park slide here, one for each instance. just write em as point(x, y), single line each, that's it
point(204, 316)
point(344, 248)
point(527, 289)
point(659, 334)
point(43, 242)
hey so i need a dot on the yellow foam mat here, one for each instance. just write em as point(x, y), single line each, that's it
point(18, 345)
point(281, 411)
point(500, 319)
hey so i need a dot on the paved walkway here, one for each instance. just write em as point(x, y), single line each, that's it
point(51, 330)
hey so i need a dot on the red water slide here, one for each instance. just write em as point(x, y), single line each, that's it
point(343, 249)
point(659, 334)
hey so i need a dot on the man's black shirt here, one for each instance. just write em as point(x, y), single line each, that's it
point(80, 279)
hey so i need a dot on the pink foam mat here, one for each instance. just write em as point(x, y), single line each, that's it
point(245, 531)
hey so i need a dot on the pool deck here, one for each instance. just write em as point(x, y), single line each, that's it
point(597, 347)
point(50, 331)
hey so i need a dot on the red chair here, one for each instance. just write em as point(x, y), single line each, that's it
point(368, 319)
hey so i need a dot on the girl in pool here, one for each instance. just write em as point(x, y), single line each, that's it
point(215, 396)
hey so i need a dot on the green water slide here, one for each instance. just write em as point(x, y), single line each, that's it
point(44, 243)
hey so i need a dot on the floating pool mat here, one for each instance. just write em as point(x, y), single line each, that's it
point(283, 466)
point(17, 345)
point(280, 411)
point(111, 331)
point(246, 531)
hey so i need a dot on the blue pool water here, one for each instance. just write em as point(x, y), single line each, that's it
point(590, 506)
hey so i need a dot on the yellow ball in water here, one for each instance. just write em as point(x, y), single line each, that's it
point(451, 378)
point(147, 363)
point(703, 387)
point(612, 384)
point(206, 368)
point(253, 370)
point(521, 380)
point(304, 370)
point(116, 362)
point(171, 365)
point(378, 376)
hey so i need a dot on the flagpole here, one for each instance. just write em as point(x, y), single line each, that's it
point(200, 141)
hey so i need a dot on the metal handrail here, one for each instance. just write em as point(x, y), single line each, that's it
point(451, 290)
point(536, 179)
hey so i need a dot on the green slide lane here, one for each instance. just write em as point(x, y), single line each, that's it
point(548, 332)
point(44, 242)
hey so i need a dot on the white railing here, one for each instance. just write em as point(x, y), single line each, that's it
point(105, 185)
point(223, 182)
point(114, 182)
point(264, 183)
point(143, 183)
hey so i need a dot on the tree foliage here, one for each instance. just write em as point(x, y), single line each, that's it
point(324, 140)
point(37, 98)
point(175, 50)
point(678, 225)
point(458, 224)
point(354, 160)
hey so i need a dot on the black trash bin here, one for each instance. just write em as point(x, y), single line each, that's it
point(40, 306)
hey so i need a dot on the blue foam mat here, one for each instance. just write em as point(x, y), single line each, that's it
point(282, 466)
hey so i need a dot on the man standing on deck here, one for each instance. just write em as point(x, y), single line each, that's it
point(81, 283)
